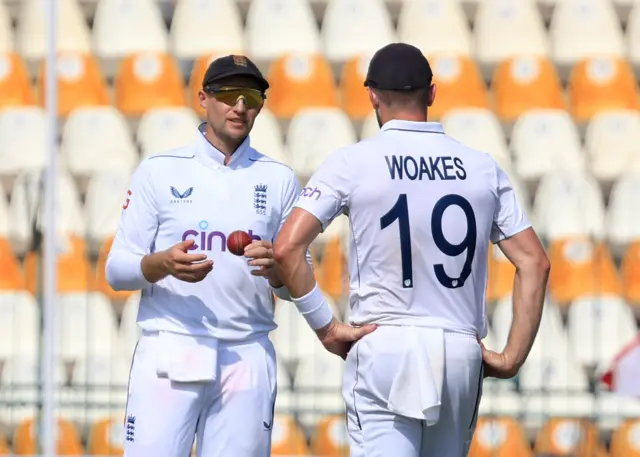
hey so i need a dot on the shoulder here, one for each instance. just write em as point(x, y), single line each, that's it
point(271, 167)
point(162, 163)
point(181, 153)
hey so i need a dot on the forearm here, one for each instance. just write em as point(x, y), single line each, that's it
point(529, 288)
point(297, 276)
point(124, 271)
point(295, 273)
point(280, 289)
point(153, 268)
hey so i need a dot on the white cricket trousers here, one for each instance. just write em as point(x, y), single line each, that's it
point(231, 416)
point(374, 431)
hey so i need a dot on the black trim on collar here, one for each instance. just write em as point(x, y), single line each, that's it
point(413, 130)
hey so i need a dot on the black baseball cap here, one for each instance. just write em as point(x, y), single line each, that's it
point(233, 65)
point(399, 66)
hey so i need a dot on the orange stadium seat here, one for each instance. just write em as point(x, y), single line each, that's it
point(300, 81)
point(148, 80)
point(12, 277)
point(195, 80)
point(581, 267)
point(315, 260)
point(501, 273)
point(287, 437)
point(524, 83)
point(101, 280)
point(602, 83)
point(330, 438)
point(4, 446)
point(569, 437)
point(333, 268)
point(74, 271)
point(80, 82)
point(625, 441)
point(25, 439)
point(631, 274)
point(355, 99)
point(460, 84)
point(499, 437)
point(15, 86)
point(104, 437)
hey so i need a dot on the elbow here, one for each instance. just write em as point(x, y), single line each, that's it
point(539, 264)
point(111, 276)
point(547, 267)
point(544, 265)
point(283, 251)
point(115, 278)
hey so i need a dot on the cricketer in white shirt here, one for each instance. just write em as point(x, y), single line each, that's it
point(204, 362)
point(422, 209)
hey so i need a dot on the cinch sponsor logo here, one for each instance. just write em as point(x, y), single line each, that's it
point(311, 192)
point(210, 240)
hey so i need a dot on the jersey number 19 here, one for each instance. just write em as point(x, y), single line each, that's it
point(400, 212)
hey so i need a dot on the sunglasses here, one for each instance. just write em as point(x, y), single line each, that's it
point(253, 98)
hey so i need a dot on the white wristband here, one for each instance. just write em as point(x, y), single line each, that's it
point(314, 308)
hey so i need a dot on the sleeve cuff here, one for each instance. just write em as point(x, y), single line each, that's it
point(124, 271)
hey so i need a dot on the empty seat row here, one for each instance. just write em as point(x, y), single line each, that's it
point(503, 28)
point(97, 139)
point(568, 211)
point(85, 325)
point(302, 80)
point(581, 266)
point(494, 436)
point(567, 203)
point(598, 328)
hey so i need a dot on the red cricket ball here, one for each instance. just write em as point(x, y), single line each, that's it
point(237, 241)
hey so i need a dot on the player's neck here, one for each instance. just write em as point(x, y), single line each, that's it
point(412, 116)
point(408, 116)
point(227, 147)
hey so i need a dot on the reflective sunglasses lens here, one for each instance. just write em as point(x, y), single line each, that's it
point(252, 98)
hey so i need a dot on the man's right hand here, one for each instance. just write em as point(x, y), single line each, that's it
point(338, 338)
point(176, 262)
point(497, 364)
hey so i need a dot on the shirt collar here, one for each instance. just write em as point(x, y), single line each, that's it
point(218, 156)
point(413, 126)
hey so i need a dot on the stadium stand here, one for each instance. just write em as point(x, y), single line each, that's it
point(543, 141)
point(547, 87)
point(200, 27)
point(435, 27)
point(31, 32)
point(354, 28)
point(524, 83)
point(300, 81)
point(506, 29)
point(15, 86)
point(147, 80)
point(269, 35)
point(80, 82)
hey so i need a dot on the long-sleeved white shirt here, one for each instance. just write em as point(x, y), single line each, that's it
point(422, 209)
point(188, 193)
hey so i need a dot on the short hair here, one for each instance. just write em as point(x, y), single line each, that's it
point(411, 99)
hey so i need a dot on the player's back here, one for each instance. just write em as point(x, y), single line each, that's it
point(422, 209)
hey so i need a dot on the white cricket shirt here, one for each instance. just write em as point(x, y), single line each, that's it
point(422, 209)
point(188, 193)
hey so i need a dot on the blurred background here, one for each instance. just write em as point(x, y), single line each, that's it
point(548, 87)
